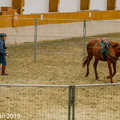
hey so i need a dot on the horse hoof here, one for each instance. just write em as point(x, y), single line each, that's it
point(97, 78)
point(86, 75)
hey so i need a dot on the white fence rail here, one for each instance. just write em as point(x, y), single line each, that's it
point(56, 102)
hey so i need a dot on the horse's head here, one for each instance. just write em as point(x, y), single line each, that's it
point(116, 47)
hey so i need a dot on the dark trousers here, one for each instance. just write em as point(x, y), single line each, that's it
point(3, 60)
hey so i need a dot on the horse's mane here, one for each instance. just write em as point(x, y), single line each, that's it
point(114, 44)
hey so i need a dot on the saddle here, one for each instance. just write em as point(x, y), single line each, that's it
point(104, 47)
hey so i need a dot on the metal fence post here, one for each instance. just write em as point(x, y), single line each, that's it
point(71, 103)
point(84, 39)
point(35, 40)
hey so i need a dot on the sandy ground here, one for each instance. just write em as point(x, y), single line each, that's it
point(45, 103)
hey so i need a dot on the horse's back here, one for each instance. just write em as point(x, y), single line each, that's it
point(93, 48)
point(93, 43)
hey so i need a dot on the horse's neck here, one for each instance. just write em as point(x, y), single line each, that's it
point(117, 52)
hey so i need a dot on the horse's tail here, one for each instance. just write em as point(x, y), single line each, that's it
point(85, 61)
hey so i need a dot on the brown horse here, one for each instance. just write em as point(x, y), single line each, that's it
point(93, 48)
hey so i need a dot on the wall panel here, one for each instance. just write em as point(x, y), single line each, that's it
point(7, 22)
point(117, 4)
point(85, 5)
point(53, 5)
point(6, 3)
point(36, 6)
point(111, 4)
point(95, 15)
point(69, 5)
point(18, 4)
point(98, 4)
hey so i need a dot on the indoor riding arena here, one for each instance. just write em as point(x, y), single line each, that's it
point(46, 79)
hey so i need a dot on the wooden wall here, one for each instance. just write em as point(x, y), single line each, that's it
point(85, 5)
point(28, 20)
point(111, 4)
point(53, 5)
point(18, 4)
point(6, 21)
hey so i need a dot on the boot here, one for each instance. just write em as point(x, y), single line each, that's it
point(3, 70)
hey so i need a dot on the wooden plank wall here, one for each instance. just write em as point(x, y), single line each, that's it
point(18, 4)
point(111, 4)
point(25, 20)
point(6, 21)
point(53, 5)
point(85, 5)
point(95, 15)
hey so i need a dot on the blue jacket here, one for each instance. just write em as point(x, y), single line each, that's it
point(2, 48)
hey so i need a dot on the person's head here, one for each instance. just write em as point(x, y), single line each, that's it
point(3, 36)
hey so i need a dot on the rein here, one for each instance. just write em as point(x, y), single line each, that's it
point(16, 62)
point(114, 56)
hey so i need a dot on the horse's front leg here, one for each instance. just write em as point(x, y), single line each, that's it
point(114, 68)
point(110, 71)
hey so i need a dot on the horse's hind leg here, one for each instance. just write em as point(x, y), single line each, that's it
point(95, 68)
point(88, 62)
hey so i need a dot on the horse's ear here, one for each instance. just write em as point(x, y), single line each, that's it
point(115, 45)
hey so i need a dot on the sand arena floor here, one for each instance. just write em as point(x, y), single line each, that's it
point(33, 103)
